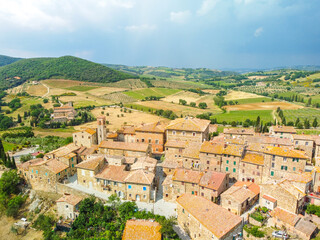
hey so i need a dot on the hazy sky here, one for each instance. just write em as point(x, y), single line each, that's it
point(198, 33)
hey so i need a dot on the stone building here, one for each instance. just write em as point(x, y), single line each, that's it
point(188, 129)
point(87, 138)
point(231, 157)
point(138, 229)
point(125, 149)
point(207, 184)
point(140, 186)
point(305, 143)
point(204, 220)
point(68, 206)
point(64, 113)
point(127, 134)
point(241, 133)
point(252, 168)
point(174, 150)
point(211, 156)
point(240, 197)
point(282, 131)
point(280, 160)
point(44, 174)
point(154, 134)
point(87, 170)
point(284, 194)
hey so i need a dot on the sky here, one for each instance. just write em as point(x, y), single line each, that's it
point(216, 34)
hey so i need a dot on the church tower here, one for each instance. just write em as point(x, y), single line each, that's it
point(101, 129)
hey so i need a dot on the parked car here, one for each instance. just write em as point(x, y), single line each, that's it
point(280, 234)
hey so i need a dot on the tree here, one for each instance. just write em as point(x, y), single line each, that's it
point(315, 123)
point(297, 122)
point(13, 163)
point(203, 105)
point(9, 182)
point(45, 100)
point(19, 118)
point(309, 102)
point(306, 124)
point(13, 206)
point(193, 104)
point(182, 102)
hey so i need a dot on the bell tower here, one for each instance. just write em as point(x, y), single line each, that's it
point(101, 129)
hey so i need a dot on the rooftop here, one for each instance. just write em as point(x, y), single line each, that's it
point(138, 147)
point(113, 173)
point(71, 199)
point(140, 229)
point(285, 152)
point(157, 127)
point(140, 177)
point(186, 175)
point(91, 164)
point(285, 216)
point(212, 180)
point(239, 131)
point(284, 129)
point(241, 191)
point(253, 158)
point(189, 124)
point(214, 217)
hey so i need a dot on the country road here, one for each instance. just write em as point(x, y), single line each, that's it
point(48, 90)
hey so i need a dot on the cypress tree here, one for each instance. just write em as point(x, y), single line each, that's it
point(8, 161)
point(14, 166)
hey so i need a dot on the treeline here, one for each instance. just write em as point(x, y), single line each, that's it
point(6, 60)
point(300, 124)
point(159, 112)
point(201, 105)
point(67, 67)
point(147, 81)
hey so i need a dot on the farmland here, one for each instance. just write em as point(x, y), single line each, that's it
point(236, 95)
point(147, 92)
point(309, 113)
point(81, 88)
point(262, 106)
point(241, 116)
point(252, 100)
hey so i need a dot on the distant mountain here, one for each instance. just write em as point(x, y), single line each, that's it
point(6, 60)
point(67, 67)
point(191, 74)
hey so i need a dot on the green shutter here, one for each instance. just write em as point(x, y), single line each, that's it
point(272, 173)
point(227, 169)
point(234, 170)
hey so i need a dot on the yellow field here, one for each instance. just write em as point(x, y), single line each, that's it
point(63, 83)
point(185, 95)
point(257, 77)
point(234, 95)
point(36, 90)
point(115, 122)
point(263, 106)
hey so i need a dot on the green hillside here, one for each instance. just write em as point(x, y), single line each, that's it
point(66, 67)
point(6, 60)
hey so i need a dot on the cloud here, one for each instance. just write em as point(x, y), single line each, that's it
point(258, 32)
point(140, 28)
point(207, 6)
point(180, 17)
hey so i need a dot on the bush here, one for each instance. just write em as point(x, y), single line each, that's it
point(14, 205)
point(254, 231)
point(257, 216)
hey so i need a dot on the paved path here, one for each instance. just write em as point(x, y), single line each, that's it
point(160, 207)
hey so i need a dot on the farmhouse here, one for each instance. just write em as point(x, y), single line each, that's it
point(68, 206)
point(64, 113)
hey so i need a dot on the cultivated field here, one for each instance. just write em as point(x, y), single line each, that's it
point(309, 113)
point(116, 120)
point(241, 116)
point(235, 95)
point(252, 100)
point(257, 77)
point(128, 83)
point(262, 106)
point(147, 92)
point(185, 95)
point(36, 90)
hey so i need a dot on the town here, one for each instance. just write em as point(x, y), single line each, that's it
point(215, 185)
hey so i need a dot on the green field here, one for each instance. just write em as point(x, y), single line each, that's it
point(252, 100)
point(147, 92)
point(241, 116)
point(81, 88)
point(9, 146)
point(303, 113)
point(308, 131)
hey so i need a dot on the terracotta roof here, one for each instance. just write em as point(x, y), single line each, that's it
point(127, 130)
point(170, 164)
point(233, 150)
point(189, 124)
point(239, 131)
point(186, 175)
point(269, 140)
point(29, 163)
point(291, 189)
point(253, 158)
point(209, 147)
point(285, 152)
point(71, 199)
point(137, 147)
point(285, 216)
point(255, 147)
point(304, 137)
point(176, 144)
point(112, 135)
point(212, 180)
point(241, 191)
point(303, 177)
point(140, 177)
point(157, 127)
point(285, 129)
point(55, 166)
point(142, 230)
point(90, 131)
point(305, 226)
point(237, 141)
point(215, 218)
point(89, 151)
point(271, 199)
point(192, 150)
point(91, 164)
point(144, 163)
point(113, 173)
point(213, 127)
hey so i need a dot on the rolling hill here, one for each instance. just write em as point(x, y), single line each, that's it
point(67, 67)
point(5, 60)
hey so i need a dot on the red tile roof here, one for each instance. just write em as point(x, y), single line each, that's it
point(71, 199)
point(212, 180)
point(186, 175)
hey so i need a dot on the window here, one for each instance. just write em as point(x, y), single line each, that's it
point(183, 210)
point(192, 192)
point(284, 168)
point(227, 161)
point(59, 174)
point(149, 140)
point(91, 173)
point(294, 168)
point(234, 163)
point(227, 169)
point(173, 132)
point(234, 170)
point(46, 174)
point(194, 134)
point(36, 171)
point(32, 170)
point(272, 165)
point(202, 194)
point(144, 196)
point(144, 188)
point(67, 206)
point(183, 133)
point(295, 159)
point(142, 140)
point(48, 180)
point(115, 183)
point(296, 142)
point(272, 173)
point(157, 141)
point(244, 165)
point(182, 183)
point(273, 157)
point(307, 143)
point(129, 187)
point(242, 170)
point(229, 202)
point(65, 170)
point(208, 162)
point(72, 165)
point(83, 173)
point(284, 159)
